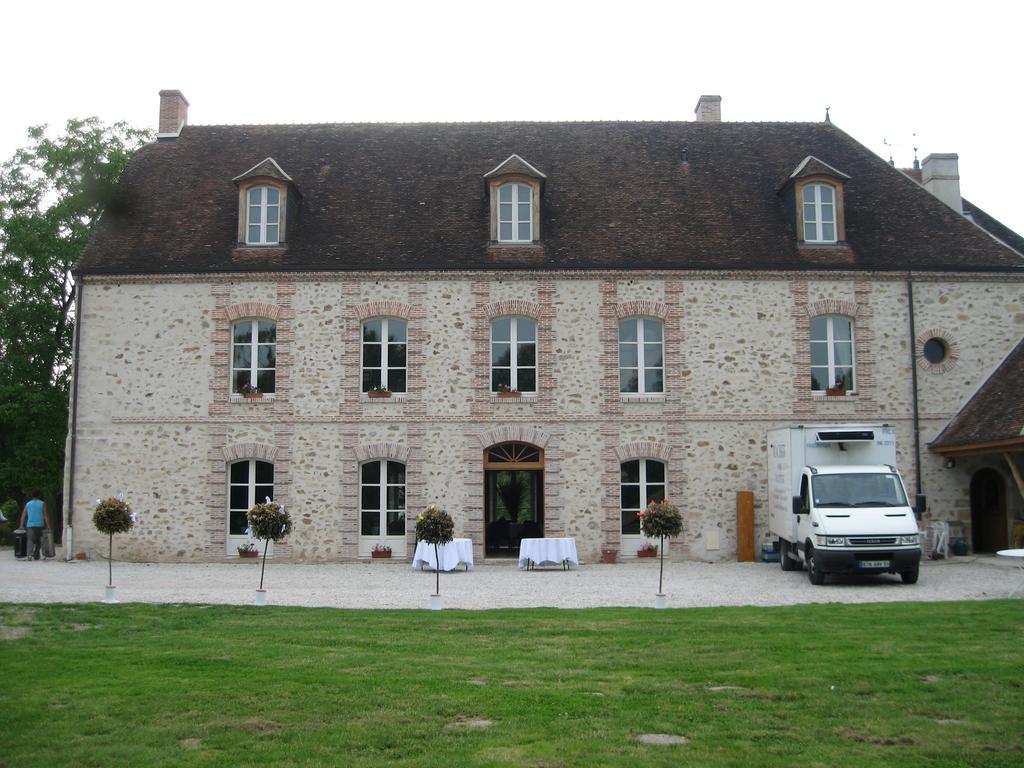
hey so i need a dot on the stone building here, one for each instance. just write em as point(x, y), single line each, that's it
point(653, 297)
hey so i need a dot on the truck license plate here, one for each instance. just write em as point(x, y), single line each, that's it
point(874, 563)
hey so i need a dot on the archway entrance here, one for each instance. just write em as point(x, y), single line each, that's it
point(513, 497)
point(988, 511)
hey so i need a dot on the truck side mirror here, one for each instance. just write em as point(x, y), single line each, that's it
point(922, 505)
point(798, 508)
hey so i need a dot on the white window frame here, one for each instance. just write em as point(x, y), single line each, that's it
point(514, 343)
point(516, 204)
point(236, 540)
point(383, 344)
point(395, 541)
point(644, 484)
point(264, 207)
point(830, 341)
point(641, 366)
point(254, 345)
point(818, 222)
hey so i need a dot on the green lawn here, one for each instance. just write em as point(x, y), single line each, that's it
point(934, 684)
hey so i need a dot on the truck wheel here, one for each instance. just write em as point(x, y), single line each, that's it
point(910, 577)
point(787, 562)
point(815, 570)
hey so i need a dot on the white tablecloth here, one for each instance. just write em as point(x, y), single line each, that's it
point(451, 554)
point(547, 552)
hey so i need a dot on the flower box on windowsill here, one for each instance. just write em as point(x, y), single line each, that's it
point(509, 393)
point(378, 394)
point(835, 392)
point(378, 555)
point(248, 553)
point(647, 553)
point(252, 395)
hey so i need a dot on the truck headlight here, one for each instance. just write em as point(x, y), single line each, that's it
point(908, 539)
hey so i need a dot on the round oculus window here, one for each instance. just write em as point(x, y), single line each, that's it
point(935, 351)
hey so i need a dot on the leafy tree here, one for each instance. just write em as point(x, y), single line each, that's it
point(52, 193)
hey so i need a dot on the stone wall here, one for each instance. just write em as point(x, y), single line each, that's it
point(158, 423)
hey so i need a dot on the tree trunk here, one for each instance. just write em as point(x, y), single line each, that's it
point(661, 566)
point(264, 566)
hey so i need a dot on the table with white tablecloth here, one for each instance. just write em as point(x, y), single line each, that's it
point(547, 552)
point(451, 554)
point(1018, 556)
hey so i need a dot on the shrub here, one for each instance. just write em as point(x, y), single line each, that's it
point(435, 526)
point(269, 521)
point(661, 519)
point(113, 516)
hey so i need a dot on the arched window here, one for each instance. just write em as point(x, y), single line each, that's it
point(249, 481)
point(515, 213)
point(514, 354)
point(819, 201)
point(263, 216)
point(384, 354)
point(641, 482)
point(832, 360)
point(253, 356)
point(382, 498)
point(641, 356)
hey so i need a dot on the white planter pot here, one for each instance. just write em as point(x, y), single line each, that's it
point(110, 596)
point(261, 597)
point(661, 601)
point(435, 603)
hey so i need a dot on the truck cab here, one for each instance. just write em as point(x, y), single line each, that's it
point(853, 519)
point(838, 504)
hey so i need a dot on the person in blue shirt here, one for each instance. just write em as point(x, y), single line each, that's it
point(34, 518)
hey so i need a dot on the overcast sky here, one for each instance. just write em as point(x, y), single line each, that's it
point(949, 73)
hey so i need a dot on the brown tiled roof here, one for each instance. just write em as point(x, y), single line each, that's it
point(993, 226)
point(995, 413)
point(618, 195)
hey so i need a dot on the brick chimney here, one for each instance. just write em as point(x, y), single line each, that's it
point(173, 112)
point(709, 109)
point(940, 175)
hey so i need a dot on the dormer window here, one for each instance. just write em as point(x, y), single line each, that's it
point(819, 213)
point(267, 200)
point(263, 222)
point(813, 195)
point(515, 213)
point(515, 188)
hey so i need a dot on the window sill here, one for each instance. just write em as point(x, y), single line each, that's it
point(267, 398)
point(633, 397)
point(524, 397)
point(819, 395)
point(396, 397)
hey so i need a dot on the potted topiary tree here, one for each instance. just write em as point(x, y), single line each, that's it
point(112, 516)
point(269, 522)
point(661, 519)
point(435, 526)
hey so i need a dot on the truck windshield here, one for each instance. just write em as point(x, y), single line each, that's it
point(858, 490)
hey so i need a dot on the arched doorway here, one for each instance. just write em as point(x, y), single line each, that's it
point(513, 497)
point(988, 511)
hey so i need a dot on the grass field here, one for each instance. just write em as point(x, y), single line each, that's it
point(937, 684)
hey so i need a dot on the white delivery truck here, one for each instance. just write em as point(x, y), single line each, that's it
point(837, 503)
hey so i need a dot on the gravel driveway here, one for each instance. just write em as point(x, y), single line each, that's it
point(394, 584)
